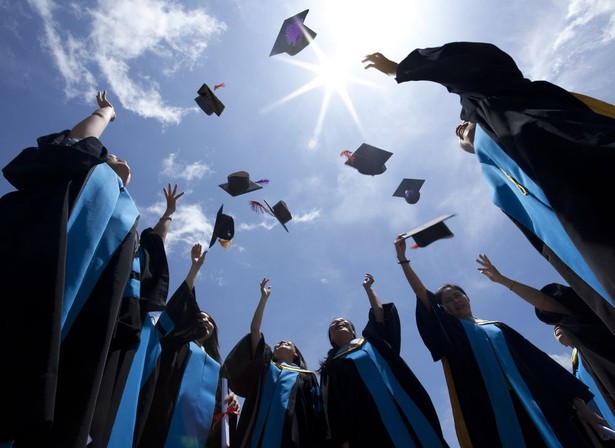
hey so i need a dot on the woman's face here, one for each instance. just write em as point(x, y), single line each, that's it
point(208, 324)
point(456, 303)
point(341, 331)
point(284, 351)
point(465, 132)
point(120, 167)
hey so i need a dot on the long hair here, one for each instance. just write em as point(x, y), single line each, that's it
point(211, 345)
point(448, 285)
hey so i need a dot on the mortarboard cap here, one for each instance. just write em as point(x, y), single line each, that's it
point(294, 36)
point(368, 159)
point(208, 101)
point(409, 190)
point(239, 183)
point(224, 228)
point(281, 213)
point(429, 232)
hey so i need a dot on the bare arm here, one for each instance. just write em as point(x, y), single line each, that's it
point(374, 300)
point(95, 124)
point(197, 257)
point(413, 280)
point(531, 295)
point(257, 319)
point(164, 223)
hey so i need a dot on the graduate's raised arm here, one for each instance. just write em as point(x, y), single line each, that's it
point(257, 319)
point(164, 223)
point(197, 257)
point(374, 300)
point(94, 125)
point(413, 279)
point(531, 295)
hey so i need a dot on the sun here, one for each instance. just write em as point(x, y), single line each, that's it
point(332, 74)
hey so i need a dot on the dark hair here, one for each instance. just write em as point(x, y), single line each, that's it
point(445, 286)
point(211, 345)
point(333, 344)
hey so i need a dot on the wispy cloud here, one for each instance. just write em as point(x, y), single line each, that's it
point(563, 360)
point(119, 35)
point(179, 169)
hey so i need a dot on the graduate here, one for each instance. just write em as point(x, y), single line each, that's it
point(283, 405)
point(545, 152)
point(184, 402)
point(371, 396)
point(504, 391)
point(70, 228)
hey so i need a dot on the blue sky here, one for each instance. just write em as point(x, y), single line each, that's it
point(287, 119)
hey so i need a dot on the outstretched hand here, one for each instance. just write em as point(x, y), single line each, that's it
point(197, 256)
point(381, 63)
point(171, 197)
point(488, 269)
point(265, 290)
point(101, 99)
point(368, 280)
point(232, 402)
point(400, 247)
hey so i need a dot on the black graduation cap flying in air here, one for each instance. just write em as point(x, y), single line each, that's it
point(208, 101)
point(239, 183)
point(279, 211)
point(409, 190)
point(294, 36)
point(224, 229)
point(368, 159)
point(429, 232)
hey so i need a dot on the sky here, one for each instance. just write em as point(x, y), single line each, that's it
point(287, 119)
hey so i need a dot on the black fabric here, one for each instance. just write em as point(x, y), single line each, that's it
point(49, 179)
point(595, 343)
point(351, 411)
point(304, 422)
point(155, 275)
point(552, 386)
point(561, 144)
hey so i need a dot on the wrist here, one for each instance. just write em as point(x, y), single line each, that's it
point(403, 261)
point(165, 217)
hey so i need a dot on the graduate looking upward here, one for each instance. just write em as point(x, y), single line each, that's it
point(371, 396)
point(545, 152)
point(282, 404)
point(504, 391)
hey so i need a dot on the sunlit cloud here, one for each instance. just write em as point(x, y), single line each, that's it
point(563, 360)
point(176, 169)
point(120, 34)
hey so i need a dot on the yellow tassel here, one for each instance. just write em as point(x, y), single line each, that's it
point(224, 243)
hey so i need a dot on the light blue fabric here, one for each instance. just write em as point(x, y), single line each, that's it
point(532, 210)
point(101, 218)
point(601, 405)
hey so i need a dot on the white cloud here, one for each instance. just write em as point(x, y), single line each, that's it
point(120, 34)
point(563, 360)
point(183, 170)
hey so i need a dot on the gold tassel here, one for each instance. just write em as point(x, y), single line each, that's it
point(224, 243)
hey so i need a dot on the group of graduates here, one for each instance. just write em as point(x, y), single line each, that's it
point(97, 354)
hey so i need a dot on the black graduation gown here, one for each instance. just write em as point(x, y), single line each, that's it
point(352, 413)
point(587, 333)
point(551, 386)
point(303, 422)
point(50, 387)
point(561, 144)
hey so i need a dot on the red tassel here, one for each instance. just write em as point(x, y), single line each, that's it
point(217, 86)
point(258, 207)
point(263, 182)
point(414, 246)
point(349, 155)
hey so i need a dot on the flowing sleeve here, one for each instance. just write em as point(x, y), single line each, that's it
point(388, 330)
point(435, 326)
point(181, 321)
point(244, 370)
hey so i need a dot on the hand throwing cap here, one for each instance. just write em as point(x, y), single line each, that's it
point(281, 213)
point(429, 232)
point(239, 183)
point(224, 228)
point(294, 36)
point(409, 190)
point(208, 101)
point(368, 159)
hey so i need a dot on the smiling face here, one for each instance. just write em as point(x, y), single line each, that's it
point(209, 326)
point(455, 302)
point(465, 133)
point(285, 351)
point(341, 332)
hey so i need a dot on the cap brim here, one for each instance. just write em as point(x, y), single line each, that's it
point(430, 232)
point(273, 213)
point(252, 187)
point(282, 45)
point(408, 184)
